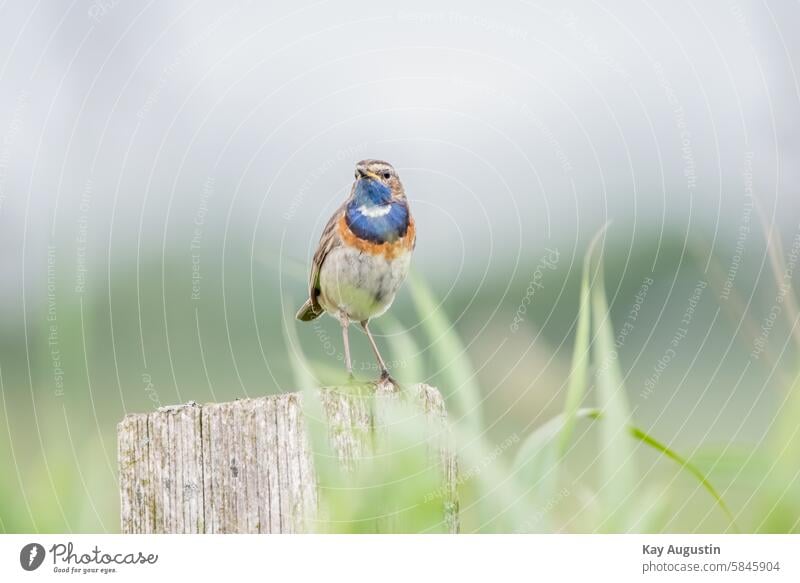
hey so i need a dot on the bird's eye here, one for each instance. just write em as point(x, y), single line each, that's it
point(387, 175)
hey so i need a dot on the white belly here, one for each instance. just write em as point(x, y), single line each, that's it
point(362, 286)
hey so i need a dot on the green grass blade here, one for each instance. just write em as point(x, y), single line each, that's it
point(542, 468)
point(458, 378)
point(784, 440)
point(301, 371)
point(491, 498)
point(394, 487)
point(405, 364)
point(640, 435)
point(536, 467)
point(777, 261)
point(533, 446)
point(538, 453)
point(308, 372)
point(579, 369)
point(616, 451)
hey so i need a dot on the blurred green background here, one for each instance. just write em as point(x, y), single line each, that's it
point(713, 402)
point(166, 170)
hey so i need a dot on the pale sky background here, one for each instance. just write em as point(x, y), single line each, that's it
point(142, 140)
point(515, 125)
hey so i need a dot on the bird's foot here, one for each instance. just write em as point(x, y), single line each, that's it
point(387, 379)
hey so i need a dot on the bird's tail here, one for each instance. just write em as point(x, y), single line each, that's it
point(308, 311)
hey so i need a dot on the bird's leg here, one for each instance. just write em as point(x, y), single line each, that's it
point(381, 364)
point(345, 321)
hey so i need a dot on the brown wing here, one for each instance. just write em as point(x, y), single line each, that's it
point(328, 241)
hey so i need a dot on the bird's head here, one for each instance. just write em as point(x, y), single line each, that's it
point(377, 183)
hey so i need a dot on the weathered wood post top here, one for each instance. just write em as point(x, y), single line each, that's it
point(247, 466)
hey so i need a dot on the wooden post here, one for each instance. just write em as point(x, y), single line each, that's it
point(247, 466)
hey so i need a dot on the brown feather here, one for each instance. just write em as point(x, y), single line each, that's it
point(334, 234)
point(328, 241)
point(308, 312)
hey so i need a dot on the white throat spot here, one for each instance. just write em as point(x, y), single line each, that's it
point(375, 211)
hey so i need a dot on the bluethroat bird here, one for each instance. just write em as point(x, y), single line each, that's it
point(363, 256)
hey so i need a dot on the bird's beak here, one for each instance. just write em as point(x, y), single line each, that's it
point(362, 173)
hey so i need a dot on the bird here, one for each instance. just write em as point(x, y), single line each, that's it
point(363, 256)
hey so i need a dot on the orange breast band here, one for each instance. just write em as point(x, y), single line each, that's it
point(388, 250)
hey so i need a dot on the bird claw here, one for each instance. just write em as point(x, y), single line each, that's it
point(387, 378)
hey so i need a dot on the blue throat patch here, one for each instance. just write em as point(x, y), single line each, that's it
point(371, 192)
point(386, 228)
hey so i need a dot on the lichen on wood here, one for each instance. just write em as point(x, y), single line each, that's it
point(247, 466)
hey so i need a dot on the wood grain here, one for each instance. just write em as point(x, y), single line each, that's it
point(247, 466)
